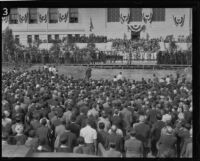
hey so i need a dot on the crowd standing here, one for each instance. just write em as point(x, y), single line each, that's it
point(55, 113)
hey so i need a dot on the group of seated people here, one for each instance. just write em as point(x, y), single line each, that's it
point(48, 112)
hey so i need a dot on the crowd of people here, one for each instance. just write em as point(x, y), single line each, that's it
point(87, 39)
point(184, 57)
point(49, 112)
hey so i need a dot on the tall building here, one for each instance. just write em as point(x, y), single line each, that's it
point(32, 24)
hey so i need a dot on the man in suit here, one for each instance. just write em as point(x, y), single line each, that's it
point(74, 127)
point(156, 132)
point(112, 152)
point(102, 136)
point(115, 138)
point(133, 146)
point(143, 134)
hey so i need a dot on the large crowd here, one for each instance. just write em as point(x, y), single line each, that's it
point(55, 113)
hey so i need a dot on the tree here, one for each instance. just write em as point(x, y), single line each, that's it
point(8, 42)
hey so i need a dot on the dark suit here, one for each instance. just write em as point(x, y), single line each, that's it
point(75, 128)
point(155, 135)
point(102, 137)
point(167, 146)
point(143, 134)
point(44, 133)
point(133, 148)
point(118, 140)
point(112, 153)
point(71, 139)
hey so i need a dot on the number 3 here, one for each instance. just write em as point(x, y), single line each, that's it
point(5, 11)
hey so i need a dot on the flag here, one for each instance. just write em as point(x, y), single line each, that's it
point(91, 25)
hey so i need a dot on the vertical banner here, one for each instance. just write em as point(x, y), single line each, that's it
point(63, 15)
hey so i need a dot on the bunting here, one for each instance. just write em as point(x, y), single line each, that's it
point(136, 27)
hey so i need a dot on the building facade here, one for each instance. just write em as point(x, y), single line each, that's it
point(32, 24)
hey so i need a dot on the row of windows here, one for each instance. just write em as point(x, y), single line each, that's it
point(36, 38)
point(135, 14)
point(52, 15)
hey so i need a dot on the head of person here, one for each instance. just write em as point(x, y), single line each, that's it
point(113, 128)
point(101, 125)
point(112, 145)
point(80, 140)
point(43, 122)
point(133, 133)
point(31, 133)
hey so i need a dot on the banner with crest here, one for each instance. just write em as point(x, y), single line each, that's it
point(43, 15)
point(179, 20)
point(147, 14)
point(124, 15)
point(23, 15)
point(63, 14)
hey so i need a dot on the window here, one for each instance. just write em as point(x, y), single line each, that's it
point(53, 15)
point(33, 15)
point(136, 14)
point(29, 38)
point(17, 39)
point(13, 18)
point(49, 39)
point(56, 37)
point(73, 15)
point(113, 14)
point(158, 14)
point(36, 38)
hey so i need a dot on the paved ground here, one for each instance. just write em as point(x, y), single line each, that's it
point(79, 72)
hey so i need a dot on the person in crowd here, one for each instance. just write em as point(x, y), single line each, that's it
point(112, 152)
point(32, 141)
point(102, 136)
point(133, 147)
point(90, 136)
point(81, 148)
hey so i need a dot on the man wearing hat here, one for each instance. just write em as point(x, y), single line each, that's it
point(133, 147)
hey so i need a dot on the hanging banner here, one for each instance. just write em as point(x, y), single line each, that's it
point(23, 15)
point(5, 19)
point(179, 20)
point(124, 15)
point(43, 15)
point(136, 27)
point(147, 14)
point(63, 14)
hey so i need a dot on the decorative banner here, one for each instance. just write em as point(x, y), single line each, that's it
point(136, 27)
point(179, 21)
point(23, 15)
point(63, 14)
point(5, 19)
point(124, 15)
point(147, 14)
point(43, 15)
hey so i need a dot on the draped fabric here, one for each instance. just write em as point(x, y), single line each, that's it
point(147, 14)
point(43, 15)
point(135, 27)
point(23, 15)
point(124, 15)
point(63, 14)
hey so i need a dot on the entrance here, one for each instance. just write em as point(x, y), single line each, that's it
point(135, 35)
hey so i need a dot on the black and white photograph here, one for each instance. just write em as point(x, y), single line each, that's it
point(97, 82)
